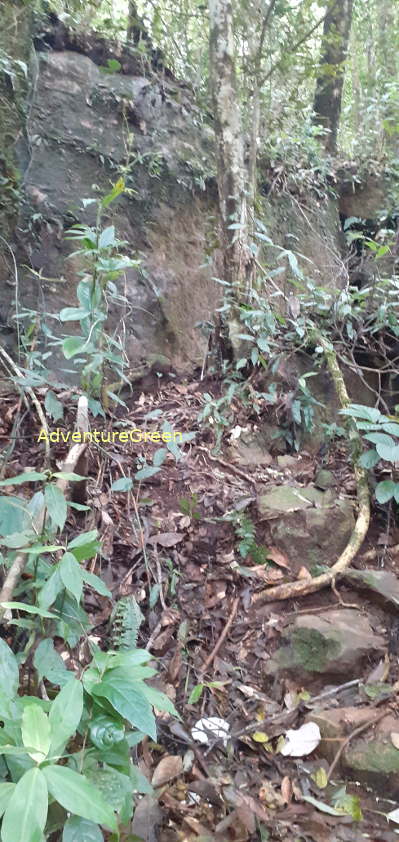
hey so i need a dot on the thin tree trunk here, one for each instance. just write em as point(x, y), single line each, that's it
point(230, 146)
point(329, 85)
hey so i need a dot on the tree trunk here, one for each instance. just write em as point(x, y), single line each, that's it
point(135, 27)
point(230, 146)
point(330, 81)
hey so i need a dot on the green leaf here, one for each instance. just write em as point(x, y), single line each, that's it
point(36, 732)
point(14, 515)
point(390, 454)
point(122, 484)
point(49, 663)
point(9, 671)
point(70, 476)
point(51, 589)
point(367, 413)
point(107, 237)
point(195, 694)
point(77, 829)
point(147, 471)
point(26, 813)
point(113, 785)
point(78, 795)
point(71, 575)
point(53, 406)
point(158, 699)
point(159, 457)
point(127, 698)
point(85, 545)
point(385, 491)
point(73, 345)
point(6, 791)
point(96, 583)
point(65, 715)
point(369, 459)
point(28, 476)
point(380, 438)
point(30, 609)
point(56, 505)
point(324, 808)
point(116, 191)
point(73, 314)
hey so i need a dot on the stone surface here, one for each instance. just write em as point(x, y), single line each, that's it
point(324, 479)
point(334, 642)
point(312, 527)
point(370, 758)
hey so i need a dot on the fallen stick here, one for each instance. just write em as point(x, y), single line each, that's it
point(222, 637)
point(20, 561)
point(303, 587)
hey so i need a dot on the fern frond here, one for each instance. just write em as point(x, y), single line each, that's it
point(126, 620)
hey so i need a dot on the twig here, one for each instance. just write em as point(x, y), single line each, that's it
point(34, 399)
point(350, 737)
point(222, 637)
point(306, 586)
point(229, 467)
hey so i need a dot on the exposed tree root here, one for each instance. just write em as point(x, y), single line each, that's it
point(303, 587)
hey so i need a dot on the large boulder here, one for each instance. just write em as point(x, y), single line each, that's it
point(310, 526)
point(335, 642)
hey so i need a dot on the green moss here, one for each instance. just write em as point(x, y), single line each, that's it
point(374, 756)
point(310, 650)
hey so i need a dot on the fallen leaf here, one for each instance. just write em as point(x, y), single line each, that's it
point(260, 737)
point(286, 789)
point(301, 742)
point(210, 728)
point(395, 739)
point(166, 539)
point(169, 767)
point(278, 557)
point(320, 778)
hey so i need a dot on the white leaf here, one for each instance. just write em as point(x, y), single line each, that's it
point(209, 729)
point(303, 741)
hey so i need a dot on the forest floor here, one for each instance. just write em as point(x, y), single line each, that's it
point(213, 640)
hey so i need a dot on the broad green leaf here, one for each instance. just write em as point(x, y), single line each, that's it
point(65, 715)
point(36, 732)
point(367, 413)
point(107, 237)
point(14, 515)
point(114, 786)
point(26, 813)
point(385, 491)
point(49, 663)
point(127, 698)
point(77, 829)
point(29, 476)
point(69, 475)
point(53, 406)
point(369, 459)
point(148, 471)
point(30, 609)
point(6, 791)
point(56, 505)
point(159, 457)
point(49, 592)
point(78, 795)
point(71, 575)
point(73, 345)
point(122, 484)
point(85, 545)
point(324, 808)
point(73, 314)
point(96, 583)
point(380, 439)
point(9, 671)
point(390, 454)
point(158, 699)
